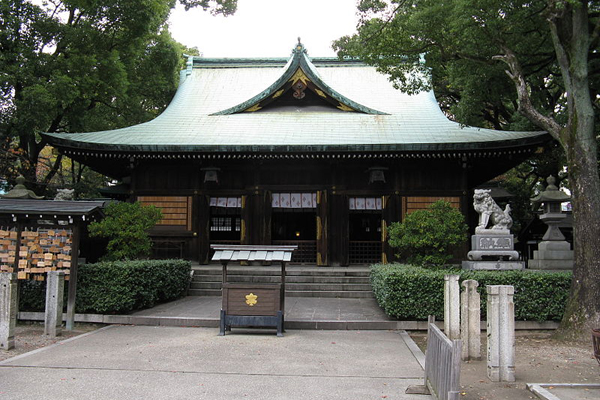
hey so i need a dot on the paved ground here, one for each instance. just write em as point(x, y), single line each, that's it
point(142, 362)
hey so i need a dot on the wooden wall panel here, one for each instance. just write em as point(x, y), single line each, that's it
point(411, 204)
point(176, 210)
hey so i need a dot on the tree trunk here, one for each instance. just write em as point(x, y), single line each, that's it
point(571, 39)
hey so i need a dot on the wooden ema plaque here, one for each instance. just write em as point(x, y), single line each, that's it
point(41, 250)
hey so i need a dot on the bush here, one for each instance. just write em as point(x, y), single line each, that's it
point(126, 225)
point(123, 286)
point(428, 237)
point(117, 287)
point(413, 293)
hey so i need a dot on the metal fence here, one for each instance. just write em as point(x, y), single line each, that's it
point(442, 364)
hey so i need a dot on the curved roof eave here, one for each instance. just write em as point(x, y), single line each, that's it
point(301, 61)
point(496, 145)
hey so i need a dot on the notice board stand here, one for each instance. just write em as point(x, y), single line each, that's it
point(252, 304)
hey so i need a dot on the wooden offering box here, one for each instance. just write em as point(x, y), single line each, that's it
point(253, 304)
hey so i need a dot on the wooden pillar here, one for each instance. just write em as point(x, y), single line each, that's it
point(256, 218)
point(322, 228)
point(391, 213)
point(262, 217)
point(203, 228)
point(72, 295)
point(246, 220)
point(340, 237)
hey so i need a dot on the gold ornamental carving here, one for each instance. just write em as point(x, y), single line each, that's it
point(251, 299)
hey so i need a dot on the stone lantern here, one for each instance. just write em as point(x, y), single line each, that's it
point(554, 252)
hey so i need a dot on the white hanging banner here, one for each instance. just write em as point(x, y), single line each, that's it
point(365, 203)
point(307, 200)
point(275, 200)
point(360, 203)
point(285, 200)
point(226, 202)
point(370, 203)
point(231, 202)
point(294, 200)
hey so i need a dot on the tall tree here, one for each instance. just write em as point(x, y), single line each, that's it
point(74, 66)
point(492, 58)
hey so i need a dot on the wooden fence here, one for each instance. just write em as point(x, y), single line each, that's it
point(442, 364)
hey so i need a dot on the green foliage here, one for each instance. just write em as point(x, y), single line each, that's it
point(126, 225)
point(428, 237)
point(117, 287)
point(123, 286)
point(81, 66)
point(413, 293)
point(32, 295)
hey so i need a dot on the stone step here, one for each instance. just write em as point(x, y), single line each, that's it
point(277, 271)
point(361, 294)
point(289, 279)
point(353, 282)
point(297, 286)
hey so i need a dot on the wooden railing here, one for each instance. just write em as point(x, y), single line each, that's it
point(442, 364)
point(365, 252)
point(306, 253)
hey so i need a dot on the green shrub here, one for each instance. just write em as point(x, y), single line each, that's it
point(117, 287)
point(428, 237)
point(32, 295)
point(413, 293)
point(123, 286)
point(126, 225)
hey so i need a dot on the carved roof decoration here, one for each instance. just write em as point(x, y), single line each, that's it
point(299, 75)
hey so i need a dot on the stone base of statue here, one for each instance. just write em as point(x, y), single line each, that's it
point(493, 265)
point(493, 249)
point(552, 255)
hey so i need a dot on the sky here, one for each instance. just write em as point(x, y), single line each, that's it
point(266, 28)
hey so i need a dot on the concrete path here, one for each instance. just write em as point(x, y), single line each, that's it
point(144, 362)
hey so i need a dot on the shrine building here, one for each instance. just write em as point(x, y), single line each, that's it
point(318, 152)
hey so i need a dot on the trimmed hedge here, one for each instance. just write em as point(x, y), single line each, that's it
point(412, 293)
point(118, 286)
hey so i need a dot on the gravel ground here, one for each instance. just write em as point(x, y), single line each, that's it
point(538, 359)
point(30, 336)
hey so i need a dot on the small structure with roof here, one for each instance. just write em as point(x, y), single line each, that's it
point(321, 153)
point(38, 236)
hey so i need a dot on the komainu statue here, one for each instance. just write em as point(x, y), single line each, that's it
point(65, 194)
point(490, 213)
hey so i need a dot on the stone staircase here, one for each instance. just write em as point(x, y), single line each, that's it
point(301, 281)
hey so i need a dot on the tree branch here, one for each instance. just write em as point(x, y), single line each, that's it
point(526, 107)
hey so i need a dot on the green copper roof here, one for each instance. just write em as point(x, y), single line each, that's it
point(299, 68)
point(209, 113)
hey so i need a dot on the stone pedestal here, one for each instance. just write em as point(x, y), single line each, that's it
point(470, 321)
point(8, 309)
point(451, 307)
point(552, 255)
point(493, 250)
point(55, 288)
point(500, 333)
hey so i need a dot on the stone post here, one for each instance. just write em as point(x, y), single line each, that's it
point(54, 303)
point(451, 307)
point(470, 321)
point(8, 309)
point(501, 333)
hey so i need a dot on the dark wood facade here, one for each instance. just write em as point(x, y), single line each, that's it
point(328, 232)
